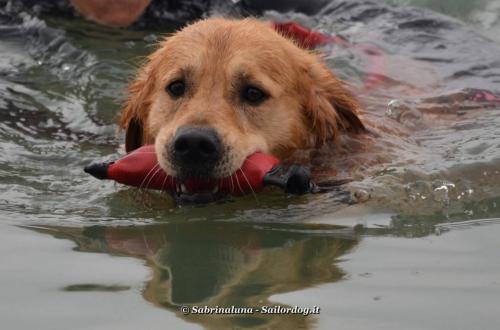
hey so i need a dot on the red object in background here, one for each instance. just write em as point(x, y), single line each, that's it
point(304, 37)
point(310, 39)
point(140, 168)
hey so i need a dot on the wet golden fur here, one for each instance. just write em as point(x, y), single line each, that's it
point(307, 105)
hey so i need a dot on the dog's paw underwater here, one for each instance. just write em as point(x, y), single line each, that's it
point(140, 168)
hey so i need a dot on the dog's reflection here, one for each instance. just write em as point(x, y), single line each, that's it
point(225, 264)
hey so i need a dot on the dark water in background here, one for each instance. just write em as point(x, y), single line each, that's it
point(434, 165)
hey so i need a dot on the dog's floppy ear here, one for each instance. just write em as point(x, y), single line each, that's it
point(330, 106)
point(134, 134)
point(135, 111)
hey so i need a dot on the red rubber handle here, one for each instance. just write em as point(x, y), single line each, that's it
point(140, 168)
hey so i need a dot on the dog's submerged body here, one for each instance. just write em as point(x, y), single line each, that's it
point(219, 90)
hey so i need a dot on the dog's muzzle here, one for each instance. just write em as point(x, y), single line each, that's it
point(196, 151)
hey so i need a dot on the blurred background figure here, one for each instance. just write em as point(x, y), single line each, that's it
point(118, 13)
point(122, 13)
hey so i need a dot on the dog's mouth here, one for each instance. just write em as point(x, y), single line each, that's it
point(198, 191)
point(255, 172)
point(201, 186)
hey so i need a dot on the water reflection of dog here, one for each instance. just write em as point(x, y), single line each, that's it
point(225, 264)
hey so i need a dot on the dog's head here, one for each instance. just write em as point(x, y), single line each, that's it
point(219, 90)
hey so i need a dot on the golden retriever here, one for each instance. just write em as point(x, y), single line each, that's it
point(221, 89)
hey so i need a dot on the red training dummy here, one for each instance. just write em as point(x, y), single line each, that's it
point(140, 168)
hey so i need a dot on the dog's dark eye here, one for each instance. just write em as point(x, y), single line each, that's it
point(176, 88)
point(253, 95)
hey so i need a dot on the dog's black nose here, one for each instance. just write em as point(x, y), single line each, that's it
point(196, 150)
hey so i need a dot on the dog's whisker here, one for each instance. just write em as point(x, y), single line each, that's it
point(250, 186)
point(238, 183)
point(140, 190)
point(153, 169)
point(163, 183)
point(142, 187)
point(148, 174)
point(152, 176)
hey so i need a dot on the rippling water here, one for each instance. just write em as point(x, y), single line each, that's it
point(62, 83)
point(433, 161)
